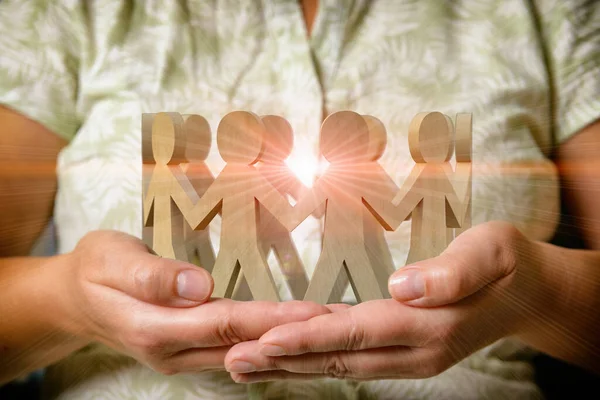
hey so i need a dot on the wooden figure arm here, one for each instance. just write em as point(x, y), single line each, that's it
point(276, 203)
point(147, 204)
point(298, 191)
point(391, 215)
point(313, 198)
point(392, 209)
point(197, 211)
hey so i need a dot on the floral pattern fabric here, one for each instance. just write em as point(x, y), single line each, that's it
point(528, 71)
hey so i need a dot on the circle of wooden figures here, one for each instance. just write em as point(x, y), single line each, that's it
point(356, 197)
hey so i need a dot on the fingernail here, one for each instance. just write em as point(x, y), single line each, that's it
point(272, 350)
point(407, 285)
point(241, 367)
point(193, 285)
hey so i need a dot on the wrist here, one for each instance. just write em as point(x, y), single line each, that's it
point(552, 297)
point(60, 290)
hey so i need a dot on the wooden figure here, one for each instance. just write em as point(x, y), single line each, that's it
point(148, 164)
point(344, 143)
point(464, 159)
point(376, 244)
point(237, 192)
point(279, 142)
point(169, 195)
point(198, 245)
point(434, 197)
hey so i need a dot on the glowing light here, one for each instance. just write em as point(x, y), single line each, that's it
point(306, 166)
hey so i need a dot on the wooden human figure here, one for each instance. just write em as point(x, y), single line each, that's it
point(169, 195)
point(435, 193)
point(376, 244)
point(463, 148)
point(237, 192)
point(278, 145)
point(198, 244)
point(148, 165)
point(351, 174)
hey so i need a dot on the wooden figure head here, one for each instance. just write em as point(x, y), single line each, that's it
point(198, 138)
point(430, 138)
point(168, 138)
point(377, 138)
point(240, 137)
point(344, 137)
point(279, 139)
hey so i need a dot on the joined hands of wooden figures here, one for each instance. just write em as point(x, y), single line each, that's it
point(355, 195)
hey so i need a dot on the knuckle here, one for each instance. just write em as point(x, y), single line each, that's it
point(336, 367)
point(300, 310)
point(355, 338)
point(226, 331)
point(505, 240)
point(146, 280)
point(453, 283)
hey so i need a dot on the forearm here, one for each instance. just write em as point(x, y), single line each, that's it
point(566, 323)
point(33, 320)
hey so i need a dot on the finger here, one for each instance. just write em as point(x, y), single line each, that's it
point(398, 361)
point(368, 325)
point(223, 322)
point(337, 307)
point(195, 360)
point(473, 260)
point(272, 376)
point(155, 280)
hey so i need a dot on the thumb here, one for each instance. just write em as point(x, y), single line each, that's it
point(473, 260)
point(153, 279)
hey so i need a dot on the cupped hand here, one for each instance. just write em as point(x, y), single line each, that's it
point(483, 287)
point(158, 310)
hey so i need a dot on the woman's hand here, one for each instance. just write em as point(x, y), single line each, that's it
point(489, 284)
point(159, 310)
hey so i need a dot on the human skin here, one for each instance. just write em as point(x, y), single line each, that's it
point(491, 282)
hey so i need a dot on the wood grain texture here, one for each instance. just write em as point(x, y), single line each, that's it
point(356, 195)
point(278, 144)
point(237, 192)
point(439, 207)
point(169, 195)
point(464, 162)
point(198, 244)
point(376, 245)
point(344, 143)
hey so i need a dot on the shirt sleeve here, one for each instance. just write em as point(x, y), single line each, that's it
point(571, 35)
point(39, 62)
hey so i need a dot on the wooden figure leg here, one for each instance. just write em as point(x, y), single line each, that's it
point(416, 252)
point(276, 237)
point(362, 277)
point(242, 291)
point(382, 262)
point(225, 274)
point(379, 254)
point(167, 237)
point(257, 273)
point(340, 286)
point(199, 248)
point(467, 222)
point(291, 265)
point(324, 277)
